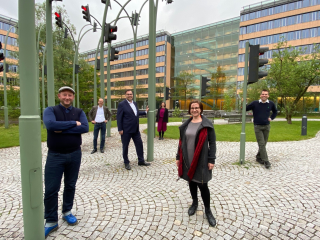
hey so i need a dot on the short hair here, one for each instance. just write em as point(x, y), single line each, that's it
point(265, 90)
point(200, 105)
point(101, 98)
point(128, 91)
point(164, 104)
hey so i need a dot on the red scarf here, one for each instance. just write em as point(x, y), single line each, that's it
point(202, 138)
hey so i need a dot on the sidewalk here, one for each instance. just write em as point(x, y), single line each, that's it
point(249, 202)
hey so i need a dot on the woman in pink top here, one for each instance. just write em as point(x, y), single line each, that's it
point(162, 119)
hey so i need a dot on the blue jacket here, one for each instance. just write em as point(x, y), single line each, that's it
point(127, 121)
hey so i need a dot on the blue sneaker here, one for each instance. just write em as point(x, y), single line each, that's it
point(48, 230)
point(71, 220)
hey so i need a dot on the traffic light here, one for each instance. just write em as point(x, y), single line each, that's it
point(58, 19)
point(108, 32)
point(94, 27)
point(98, 64)
point(65, 33)
point(167, 96)
point(2, 57)
point(76, 69)
point(204, 86)
point(86, 13)
point(113, 53)
point(135, 19)
point(255, 62)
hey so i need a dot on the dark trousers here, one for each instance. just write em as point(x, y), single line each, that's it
point(97, 128)
point(58, 164)
point(136, 137)
point(262, 135)
point(204, 190)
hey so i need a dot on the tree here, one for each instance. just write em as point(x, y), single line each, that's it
point(229, 100)
point(184, 87)
point(139, 92)
point(291, 73)
point(217, 85)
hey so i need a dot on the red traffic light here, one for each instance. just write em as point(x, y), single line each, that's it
point(57, 14)
point(84, 8)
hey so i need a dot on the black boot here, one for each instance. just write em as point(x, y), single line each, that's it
point(211, 219)
point(193, 208)
point(162, 135)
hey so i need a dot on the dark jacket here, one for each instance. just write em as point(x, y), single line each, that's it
point(93, 112)
point(127, 121)
point(207, 155)
point(165, 116)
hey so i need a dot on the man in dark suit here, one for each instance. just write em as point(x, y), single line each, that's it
point(128, 127)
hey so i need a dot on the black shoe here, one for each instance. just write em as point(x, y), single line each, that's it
point(259, 160)
point(93, 151)
point(101, 150)
point(159, 138)
point(193, 208)
point(144, 163)
point(211, 219)
point(267, 164)
point(127, 166)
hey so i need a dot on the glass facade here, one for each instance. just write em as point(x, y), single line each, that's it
point(201, 50)
point(267, 11)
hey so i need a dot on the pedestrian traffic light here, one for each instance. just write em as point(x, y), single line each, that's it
point(45, 70)
point(113, 53)
point(76, 69)
point(135, 19)
point(167, 96)
point(108, 32)
point(98, 64)
point(255, 62)
point(204, 86)
point(58, 19)
point(2, 57)
point(86, 13)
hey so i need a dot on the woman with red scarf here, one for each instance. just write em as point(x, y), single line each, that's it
point(196, 157)
point(162, 119)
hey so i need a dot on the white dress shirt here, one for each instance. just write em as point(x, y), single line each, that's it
point(133, 107)
point(100, 115)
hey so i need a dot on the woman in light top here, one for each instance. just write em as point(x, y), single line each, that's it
point(196, 156)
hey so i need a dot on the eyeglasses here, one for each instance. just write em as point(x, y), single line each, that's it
point(196, 108)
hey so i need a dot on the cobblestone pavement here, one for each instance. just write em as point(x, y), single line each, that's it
point(249, 202)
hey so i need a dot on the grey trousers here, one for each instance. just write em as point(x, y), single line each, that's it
point(262, 135)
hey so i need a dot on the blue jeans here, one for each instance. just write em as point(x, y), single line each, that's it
point(58, 164)
point(97, 128)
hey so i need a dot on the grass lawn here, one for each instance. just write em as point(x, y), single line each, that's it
point(10, 137)
point(280, 131)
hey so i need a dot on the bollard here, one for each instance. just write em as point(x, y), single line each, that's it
point(304, 125)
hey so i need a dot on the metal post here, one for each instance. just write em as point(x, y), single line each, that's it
point(304, 125)
point(243, 130)
point(109, 90)
point(37, 67)
point(95, 102)
point(6, 115)
point(29, 125)
point(50, 66)
point(43, 88)
point(151, 79)
point(73, 74)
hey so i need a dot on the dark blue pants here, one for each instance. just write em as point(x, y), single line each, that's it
point(136, 137)
point(58, 164)
point(97, 128)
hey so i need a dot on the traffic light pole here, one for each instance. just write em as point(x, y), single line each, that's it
point(244, 103)
point(6, 114)
point(50, 66)
point(37, 66)
point(151, 79)
point(30, 126)
point(42, 78)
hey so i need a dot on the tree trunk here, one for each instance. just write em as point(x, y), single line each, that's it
point(289, 119)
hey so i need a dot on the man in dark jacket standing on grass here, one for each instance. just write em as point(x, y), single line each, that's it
point(261, 119)
point(64, 124)
point(99, 116)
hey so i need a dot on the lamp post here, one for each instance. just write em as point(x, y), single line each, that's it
point(42, 78)
point(30, 126)
point(6, 115)
point(37, 66)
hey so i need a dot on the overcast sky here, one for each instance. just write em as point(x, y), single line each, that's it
point(178, 16)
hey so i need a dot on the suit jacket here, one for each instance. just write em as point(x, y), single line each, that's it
point(93, 112)
point(127, 121)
